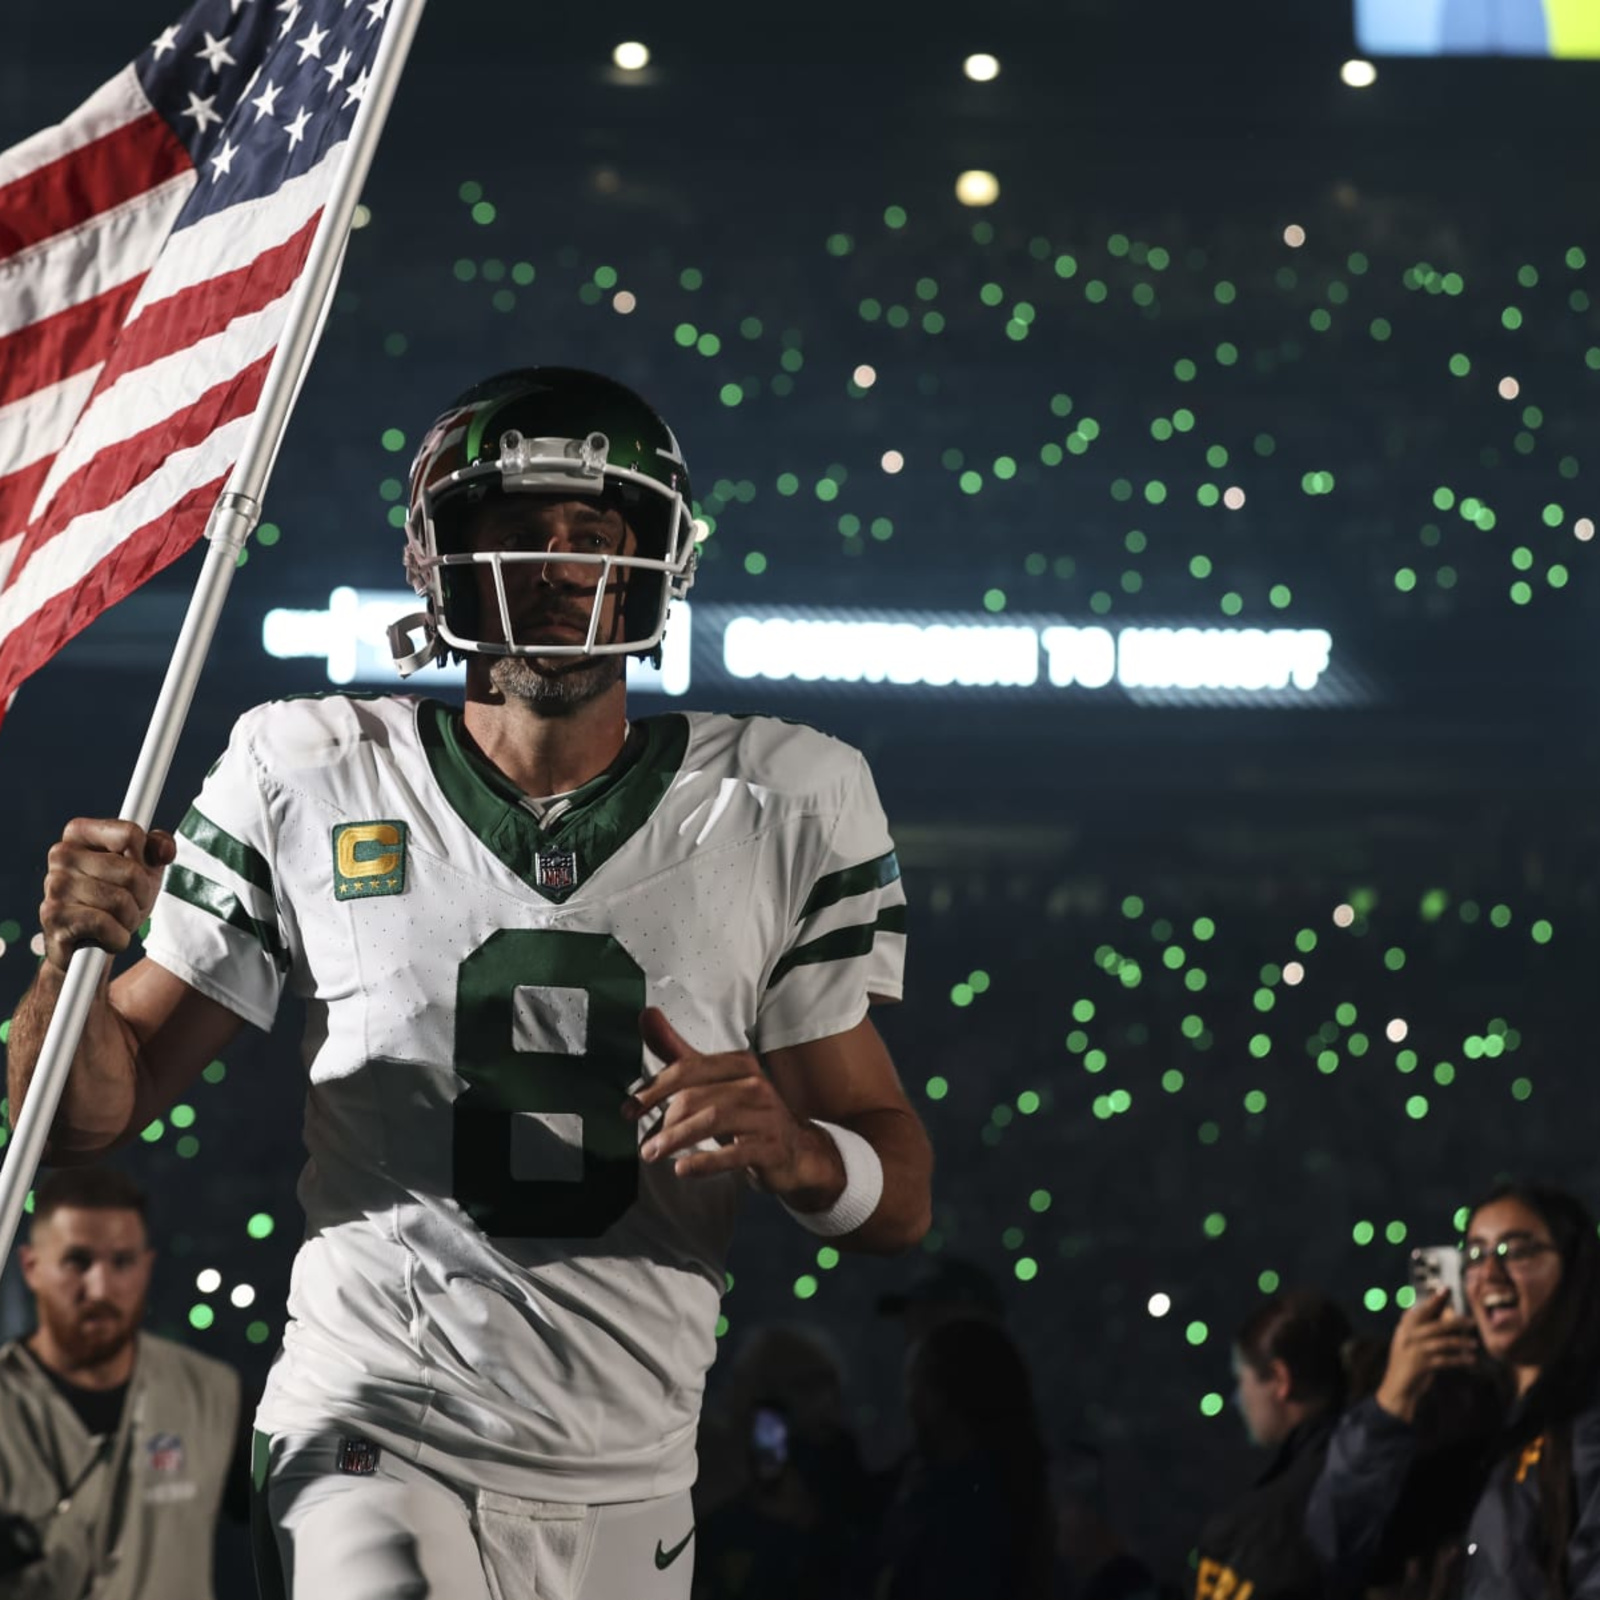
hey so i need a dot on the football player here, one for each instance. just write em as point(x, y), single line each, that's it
point(573, 985)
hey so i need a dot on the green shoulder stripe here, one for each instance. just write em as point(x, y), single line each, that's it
point(204, 895)
point(237, 856)
point(841, 944)
point(836, 886)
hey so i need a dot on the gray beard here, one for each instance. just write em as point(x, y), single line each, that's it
point(558, 690)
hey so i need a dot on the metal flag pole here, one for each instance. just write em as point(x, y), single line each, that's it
point(233, 517)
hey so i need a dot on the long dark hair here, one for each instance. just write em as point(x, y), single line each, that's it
point(1566, 1335)
point(1308, 1333)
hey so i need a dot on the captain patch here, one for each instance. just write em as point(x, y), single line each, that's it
point(369, 858)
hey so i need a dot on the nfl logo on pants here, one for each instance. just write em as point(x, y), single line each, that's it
point(358, 1457)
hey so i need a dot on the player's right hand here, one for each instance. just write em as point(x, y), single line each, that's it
point(104, 877)
point(1428, 1338)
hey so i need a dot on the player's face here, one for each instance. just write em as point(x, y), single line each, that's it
point(552, 602)
point(89, 1270)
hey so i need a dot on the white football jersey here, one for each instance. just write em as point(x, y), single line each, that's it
point(491, 1282)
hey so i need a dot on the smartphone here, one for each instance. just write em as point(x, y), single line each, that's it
point(1435, 1267)
point(769, 1442)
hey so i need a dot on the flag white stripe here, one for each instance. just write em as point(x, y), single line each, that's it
point(235, 237)
point(119, 101)
point(69, 268)
point(162, 388)
point(35, 427)
point(89, 539)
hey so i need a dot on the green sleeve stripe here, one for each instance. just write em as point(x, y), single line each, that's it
point(841, 944)
point(204, 895)
point(837, 886)
point(238, 857)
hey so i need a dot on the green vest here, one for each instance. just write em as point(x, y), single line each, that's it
point(131, 1516)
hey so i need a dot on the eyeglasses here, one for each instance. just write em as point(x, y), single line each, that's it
point(1510, 1253)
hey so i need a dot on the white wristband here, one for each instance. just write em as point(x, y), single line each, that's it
point(863, 1185)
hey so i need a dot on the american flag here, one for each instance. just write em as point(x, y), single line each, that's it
point(149, 245)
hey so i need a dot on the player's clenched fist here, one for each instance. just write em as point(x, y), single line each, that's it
point(728, 1097)
point(103, 879)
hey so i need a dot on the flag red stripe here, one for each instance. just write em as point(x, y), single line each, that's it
point(168, 325)
point(143, 553)
point(73, 340)
point(106, 172)
point(197, 313)
point(17, 491)
point(116, 471)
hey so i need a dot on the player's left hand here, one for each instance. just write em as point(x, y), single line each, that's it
point(727, 1096)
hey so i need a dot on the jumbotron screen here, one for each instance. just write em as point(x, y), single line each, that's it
point(1556, 28)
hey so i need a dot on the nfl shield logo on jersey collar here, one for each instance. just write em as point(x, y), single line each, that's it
point(556, 869)
point(369, 858)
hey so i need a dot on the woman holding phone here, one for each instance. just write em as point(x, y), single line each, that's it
point(1496, 1503)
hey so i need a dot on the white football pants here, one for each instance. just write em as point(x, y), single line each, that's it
point(399, 1532)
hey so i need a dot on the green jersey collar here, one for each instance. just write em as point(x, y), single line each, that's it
point(600, 818)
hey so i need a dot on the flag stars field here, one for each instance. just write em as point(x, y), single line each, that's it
point(164, 272)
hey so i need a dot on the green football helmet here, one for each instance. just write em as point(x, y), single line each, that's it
point(548, 431)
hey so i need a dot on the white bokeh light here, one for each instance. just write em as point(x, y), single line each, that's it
point(892, 461)
point(1294, 236)
point(977, 188)
point(243, 1295)
point(1159, 1305)
point(623, 301)
point(1509, 388)
point(1343, 916)
point(864, 376)
point(1396, 1031)
point(1233, 497)
point(631, 56)
point(208, 1280)
point(1583, 529)
point(1294, 973)
point(1359, 74)
point(981, 68)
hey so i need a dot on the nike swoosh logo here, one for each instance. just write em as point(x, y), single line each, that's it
point(665, 1558)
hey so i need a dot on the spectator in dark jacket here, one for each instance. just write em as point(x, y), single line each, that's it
point(1289, 1361)
point(971, 1516)
point(1527, 1509)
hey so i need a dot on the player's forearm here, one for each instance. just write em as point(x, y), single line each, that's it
point(98, 1101)
point(905, 1210)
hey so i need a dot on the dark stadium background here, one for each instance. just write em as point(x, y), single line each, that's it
point(1107, 1130)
